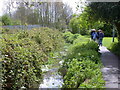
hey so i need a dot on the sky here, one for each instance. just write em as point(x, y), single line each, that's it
point(72, 3)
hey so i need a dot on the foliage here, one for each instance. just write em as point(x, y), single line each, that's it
point(0, 23)
point(106, 11)
point(51, 40)
point(23, 53)
point(108, 30)
point(80, 71)
point(16, 22)
point(69, 37)
point(75, 38)
point(82, 64)
point(21, 62)
point(10, 31)
point(47, 14)
point(82, 23)
point(5, 30)
point(115, 48)
point(6, 20)
point(84, 50)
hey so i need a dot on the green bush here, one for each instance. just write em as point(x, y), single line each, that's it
point(23, 55)
point(115, 48)
point(16, 22)
point(10, 31)
point(82, 64)
point(0, 23)
point(80, 71)
point(69, 37)
point(87, 50)
point(49, 40)
point(6, 20)
point(5, 30)
point(21, 62)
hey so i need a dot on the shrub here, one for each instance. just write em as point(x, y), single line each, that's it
point(16, 22)
point(0, 23)
point(80, 71)
point(69, 37)
point(21, 62)
point(80, 50)
point(49, 40)
point(10, 31)
point(115, 48)
point(5, 30)
point(6, 20)
point(23, 55)
point(82, 64)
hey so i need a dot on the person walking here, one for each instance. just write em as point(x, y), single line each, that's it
point(93, 34)
point(98, 36)
point(101, 36)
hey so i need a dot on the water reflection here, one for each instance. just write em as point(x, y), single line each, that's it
point(51, 78)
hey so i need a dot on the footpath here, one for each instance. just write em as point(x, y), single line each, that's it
point(111, 72)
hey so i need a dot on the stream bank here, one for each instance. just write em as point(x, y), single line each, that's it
point(51, 75)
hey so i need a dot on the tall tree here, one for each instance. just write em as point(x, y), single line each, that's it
point(107, 11)
point(50, 14)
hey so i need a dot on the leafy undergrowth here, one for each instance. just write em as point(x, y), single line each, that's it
point(74, 38)
point(23, 54)
point(115, 48)
point(82, 66)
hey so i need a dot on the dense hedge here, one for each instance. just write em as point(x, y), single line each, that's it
point(115, 48)
point(23, 53)
point(82, 66)
point(69, 37)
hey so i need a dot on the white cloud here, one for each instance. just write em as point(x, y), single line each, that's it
point(1, 7)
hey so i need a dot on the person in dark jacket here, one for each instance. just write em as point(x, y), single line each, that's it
point(101, 36)
point(98, 35)
point(93, 34)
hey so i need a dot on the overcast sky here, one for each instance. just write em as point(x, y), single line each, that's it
point(72, 4)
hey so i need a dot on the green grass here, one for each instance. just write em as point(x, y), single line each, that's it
point(0, 35)
point(107, 41)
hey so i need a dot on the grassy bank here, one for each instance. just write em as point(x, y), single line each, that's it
point(82, 64)
point(112, 46)
point(107, 41)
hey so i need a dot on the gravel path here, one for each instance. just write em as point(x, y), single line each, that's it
point(111, 68)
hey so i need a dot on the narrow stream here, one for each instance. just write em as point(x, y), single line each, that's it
point(51, 79)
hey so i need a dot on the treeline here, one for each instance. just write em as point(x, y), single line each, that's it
point(84, 22)
point(50, 14)
point(7, 20)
